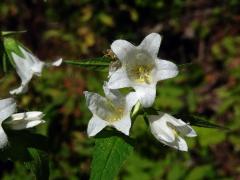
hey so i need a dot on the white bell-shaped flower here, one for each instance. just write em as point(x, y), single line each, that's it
point(7, 108)
point(25, 120)
point(26, 67)
point(141, 68)
point(113, 110)
point(16, 121)
point(168, 130)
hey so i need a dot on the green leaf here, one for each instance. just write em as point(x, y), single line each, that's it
point(199, 121)
point(150, 111)
point(11, 33)
point(7, 47)
point(39, 164)
point(194, 120)
point(111, 151)
point(20, 142)
point(2, 54)
point(11, 46)
point(29, 148)
point(4, 61)
point(208, 136)
point(93, 64)
point(201, 172)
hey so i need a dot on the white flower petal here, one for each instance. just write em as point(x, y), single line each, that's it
point(28, 56)
point(165, 123)
point(114, 66)
point(182, 145)
point(33, 123)
point(121, 48)
point(179, 143)
point(119, 79)
point(24, 124)
point(7, 108)
point(35, 65)
point(21, 89)
point(37, 68)
point(180, 126)
point(191, 132)
point(151, 44)
point(26, 67)
point(57, 62)
point(111, 94)
point(6, 102)
point(146, 94)
point(123, 125)
point(3, 138)
point(95, 125)
point(54, 63)
point(93, 101)
point(131, 100)
point(23, 68)
point(29, 116)
point(159, 128)
point(25, 120)
point(98, 105)
point(165, 70)
point(185, 129)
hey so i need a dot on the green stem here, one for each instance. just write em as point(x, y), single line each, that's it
point(136, 110)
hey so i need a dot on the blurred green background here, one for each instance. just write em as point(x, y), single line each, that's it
point(199, 31)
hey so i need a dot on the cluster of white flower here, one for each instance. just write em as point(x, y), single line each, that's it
point(140, 69)
point(26, 66)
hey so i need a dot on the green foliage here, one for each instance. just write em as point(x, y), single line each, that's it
point(210, 136)
point(9, 46)
point(111, 151)
point(30, 149)
point(19, 142)
point(11, 33)
point(201, 172)
point(39, 164)
point(91, 64)
point(203, 32)
point(196, 120)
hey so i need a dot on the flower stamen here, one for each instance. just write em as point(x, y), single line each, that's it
point(141, 74)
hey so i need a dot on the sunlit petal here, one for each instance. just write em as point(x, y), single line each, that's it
point(119, 79)
point(123, 125)
point(121, 48)
point(165, 70)
point(95, 125)
point(146, 94)
point(151, 44)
